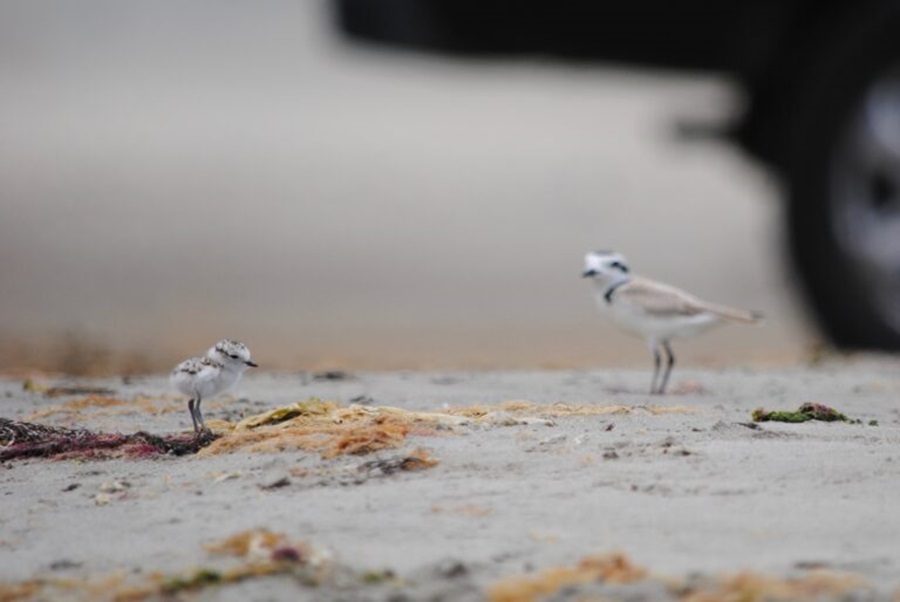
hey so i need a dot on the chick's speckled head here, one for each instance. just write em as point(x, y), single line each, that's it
point(231, 353)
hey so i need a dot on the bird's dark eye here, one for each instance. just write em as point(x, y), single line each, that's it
point(619, 266)
point(233, 356)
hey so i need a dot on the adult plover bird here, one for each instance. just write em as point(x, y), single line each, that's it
point(202, 377)
point(652, 310)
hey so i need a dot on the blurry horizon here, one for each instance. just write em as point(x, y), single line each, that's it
point(176, 173)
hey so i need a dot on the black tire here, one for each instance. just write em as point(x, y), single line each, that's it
point(831, 192)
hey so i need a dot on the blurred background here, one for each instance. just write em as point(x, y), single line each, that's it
point(177, 172)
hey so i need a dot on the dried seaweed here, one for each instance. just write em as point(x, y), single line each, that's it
point(327, 428)
point(815, 585)
point(807, 411)
point(610, 568)
point(311, 425)
point(316, 425)
point(256, 544)
point(366, 439)
point(255, 554)
point(25, 590)
point(21, 440)
point(260, 553)
point(311, 407)
point(198, 580)
point(616, 569)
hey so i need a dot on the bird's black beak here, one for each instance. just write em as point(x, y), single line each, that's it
point(252, 364)
point(588, 273)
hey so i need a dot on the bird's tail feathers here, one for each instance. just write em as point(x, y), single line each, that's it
point(736, 315)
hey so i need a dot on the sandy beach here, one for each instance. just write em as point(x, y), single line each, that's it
point(508, 485)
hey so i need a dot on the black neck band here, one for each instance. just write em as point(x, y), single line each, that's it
point(609, 292)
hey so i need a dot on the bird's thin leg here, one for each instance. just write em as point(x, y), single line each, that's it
point(193, 415)
point(654, 347)
point(200, 415)
point(669, 364)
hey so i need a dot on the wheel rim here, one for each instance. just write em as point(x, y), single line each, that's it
point(865, 193)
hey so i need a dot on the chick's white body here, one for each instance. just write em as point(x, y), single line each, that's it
point(197, 377)
point(226, 379)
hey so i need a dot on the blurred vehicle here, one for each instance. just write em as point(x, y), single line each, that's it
point(822, 87)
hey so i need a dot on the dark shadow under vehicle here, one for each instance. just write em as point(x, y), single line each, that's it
point(822, 87)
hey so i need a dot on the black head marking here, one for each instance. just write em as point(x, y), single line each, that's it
point(619, 266)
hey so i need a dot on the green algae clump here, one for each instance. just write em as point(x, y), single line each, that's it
point(806, 412)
